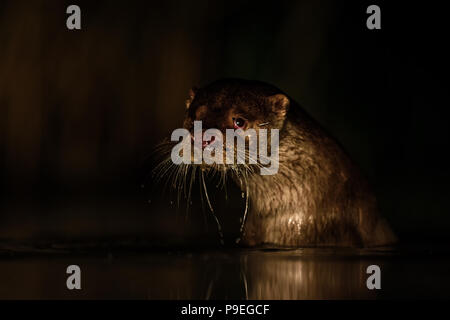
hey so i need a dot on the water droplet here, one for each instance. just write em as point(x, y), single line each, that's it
point(243, 195)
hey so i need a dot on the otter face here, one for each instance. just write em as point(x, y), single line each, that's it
point(241, 105)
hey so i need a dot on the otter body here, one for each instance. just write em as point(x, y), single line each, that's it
point(318, 197)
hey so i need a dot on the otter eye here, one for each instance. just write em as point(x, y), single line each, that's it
point(238, 123)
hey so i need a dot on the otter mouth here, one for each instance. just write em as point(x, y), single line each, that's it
point(210, 142)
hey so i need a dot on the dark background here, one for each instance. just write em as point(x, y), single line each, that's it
point(81, 111)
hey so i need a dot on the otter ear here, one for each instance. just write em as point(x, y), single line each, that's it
point(191, 96)
point(279, 103)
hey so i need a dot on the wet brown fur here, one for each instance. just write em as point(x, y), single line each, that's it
point(318, 197)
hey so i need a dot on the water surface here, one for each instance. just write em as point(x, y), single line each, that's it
point(129, 272)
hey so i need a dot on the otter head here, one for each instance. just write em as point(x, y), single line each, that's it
point(244, 106)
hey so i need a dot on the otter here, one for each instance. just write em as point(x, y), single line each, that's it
point(318, 197)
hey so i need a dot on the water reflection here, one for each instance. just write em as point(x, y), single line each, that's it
point(287, 275)
point(300, 274)
point(284, 276)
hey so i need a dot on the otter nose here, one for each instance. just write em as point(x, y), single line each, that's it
point(208, 142)
point(205, 143)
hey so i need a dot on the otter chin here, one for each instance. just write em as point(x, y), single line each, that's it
point(317, 197)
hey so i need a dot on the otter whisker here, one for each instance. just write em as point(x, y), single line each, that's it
point(212, 210)
point(244, 218)
point(191, 182)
